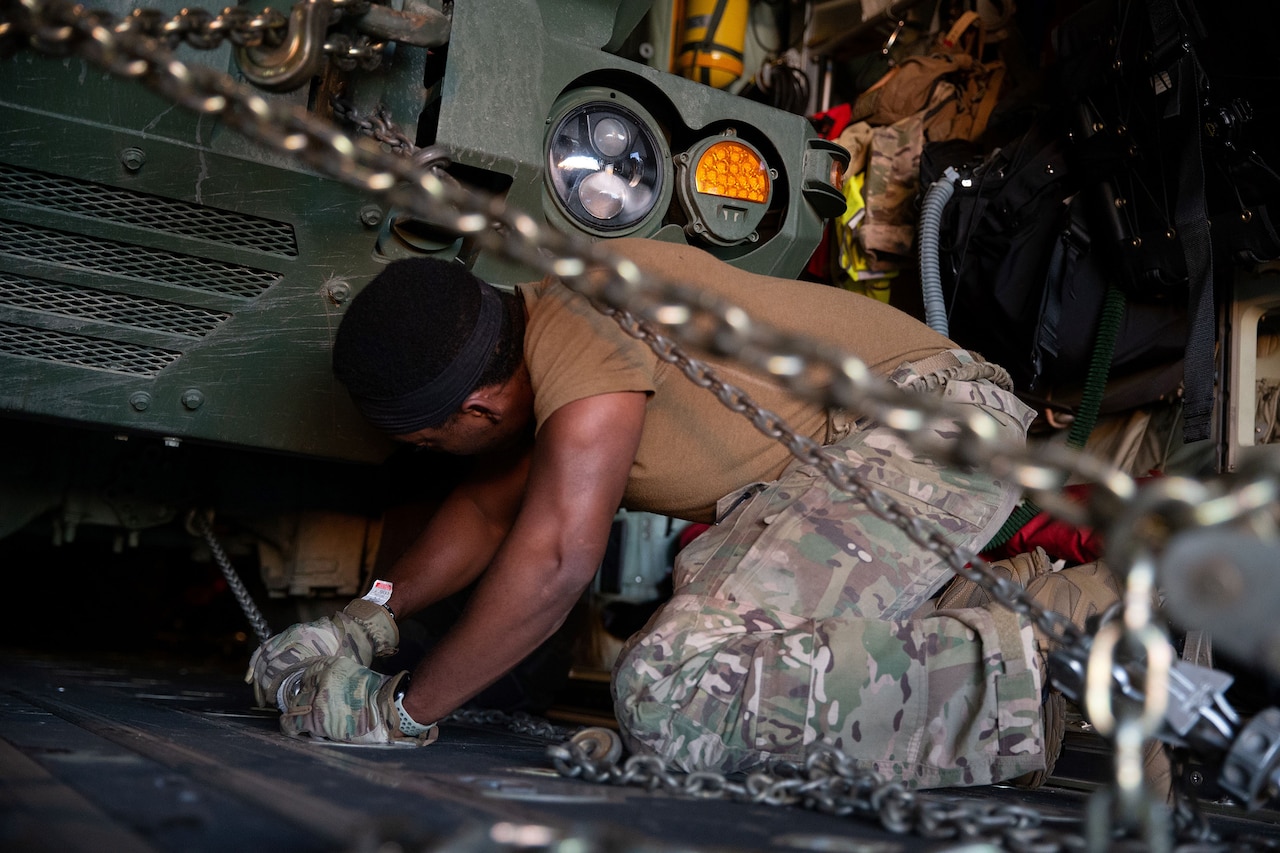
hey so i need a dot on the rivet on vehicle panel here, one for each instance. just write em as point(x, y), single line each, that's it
point(133, 159)
point(337, 291)
point(371, 215)
point(140, 401)
point(192, 398)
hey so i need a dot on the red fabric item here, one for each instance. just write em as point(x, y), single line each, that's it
point(833, 122)
point(819, 265)
point(689, 534)
point(1060, 540)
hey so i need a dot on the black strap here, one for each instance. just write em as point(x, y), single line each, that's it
point(713, 24)
point(1172, 35)
point(1068, 250)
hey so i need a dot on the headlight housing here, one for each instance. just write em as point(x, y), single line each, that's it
point(607, 165)
point(725, 186)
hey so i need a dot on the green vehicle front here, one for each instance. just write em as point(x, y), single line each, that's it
point(169, 289)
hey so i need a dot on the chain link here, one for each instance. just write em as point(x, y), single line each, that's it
point(351, 53)
point(829, 782)
point(204, 30)
point(378, 126)
point(517, 722)
point(200, 523)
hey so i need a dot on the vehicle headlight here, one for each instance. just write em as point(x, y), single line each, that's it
point(606, 164)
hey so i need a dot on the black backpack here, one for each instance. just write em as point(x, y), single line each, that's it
point(1082, 251)
point(1025, 286)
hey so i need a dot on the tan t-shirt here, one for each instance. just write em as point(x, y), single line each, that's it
point(693, 449)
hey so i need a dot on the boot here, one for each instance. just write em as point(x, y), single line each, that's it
point(1020, 569)
point(1077, 593)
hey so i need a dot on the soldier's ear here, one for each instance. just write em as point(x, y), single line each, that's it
point(484, 402)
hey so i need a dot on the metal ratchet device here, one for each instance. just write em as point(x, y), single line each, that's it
point(1197, 716)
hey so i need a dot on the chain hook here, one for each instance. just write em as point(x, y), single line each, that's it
point(297, 59)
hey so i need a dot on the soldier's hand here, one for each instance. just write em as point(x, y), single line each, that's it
point(337, 699)
point(362, 631)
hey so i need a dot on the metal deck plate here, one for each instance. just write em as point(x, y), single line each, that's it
point(128, 755)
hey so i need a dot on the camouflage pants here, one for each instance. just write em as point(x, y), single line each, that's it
point(792, 622)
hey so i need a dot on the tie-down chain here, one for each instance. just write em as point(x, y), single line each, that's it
point(1123, 675)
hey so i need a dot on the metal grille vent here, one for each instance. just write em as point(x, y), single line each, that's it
point(98, 353)
point(138, 262)
point(119, 308)
point(99, 201)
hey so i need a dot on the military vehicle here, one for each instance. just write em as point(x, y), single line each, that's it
point(169, 288)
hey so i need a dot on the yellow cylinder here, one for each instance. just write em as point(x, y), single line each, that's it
point(714, 38)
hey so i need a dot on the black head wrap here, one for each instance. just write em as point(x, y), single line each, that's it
point(415, 342)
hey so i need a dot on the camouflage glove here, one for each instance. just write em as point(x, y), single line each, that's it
point(335, 698)
point(362, 631)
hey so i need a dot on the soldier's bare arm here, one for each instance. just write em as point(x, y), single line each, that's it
point(463, 535)
point(579, 470)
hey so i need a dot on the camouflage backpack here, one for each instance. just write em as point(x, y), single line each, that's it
point(948, 93)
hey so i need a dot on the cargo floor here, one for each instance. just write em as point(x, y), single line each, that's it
point(128, 754)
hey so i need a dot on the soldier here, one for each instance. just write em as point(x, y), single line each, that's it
point(799, 616)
